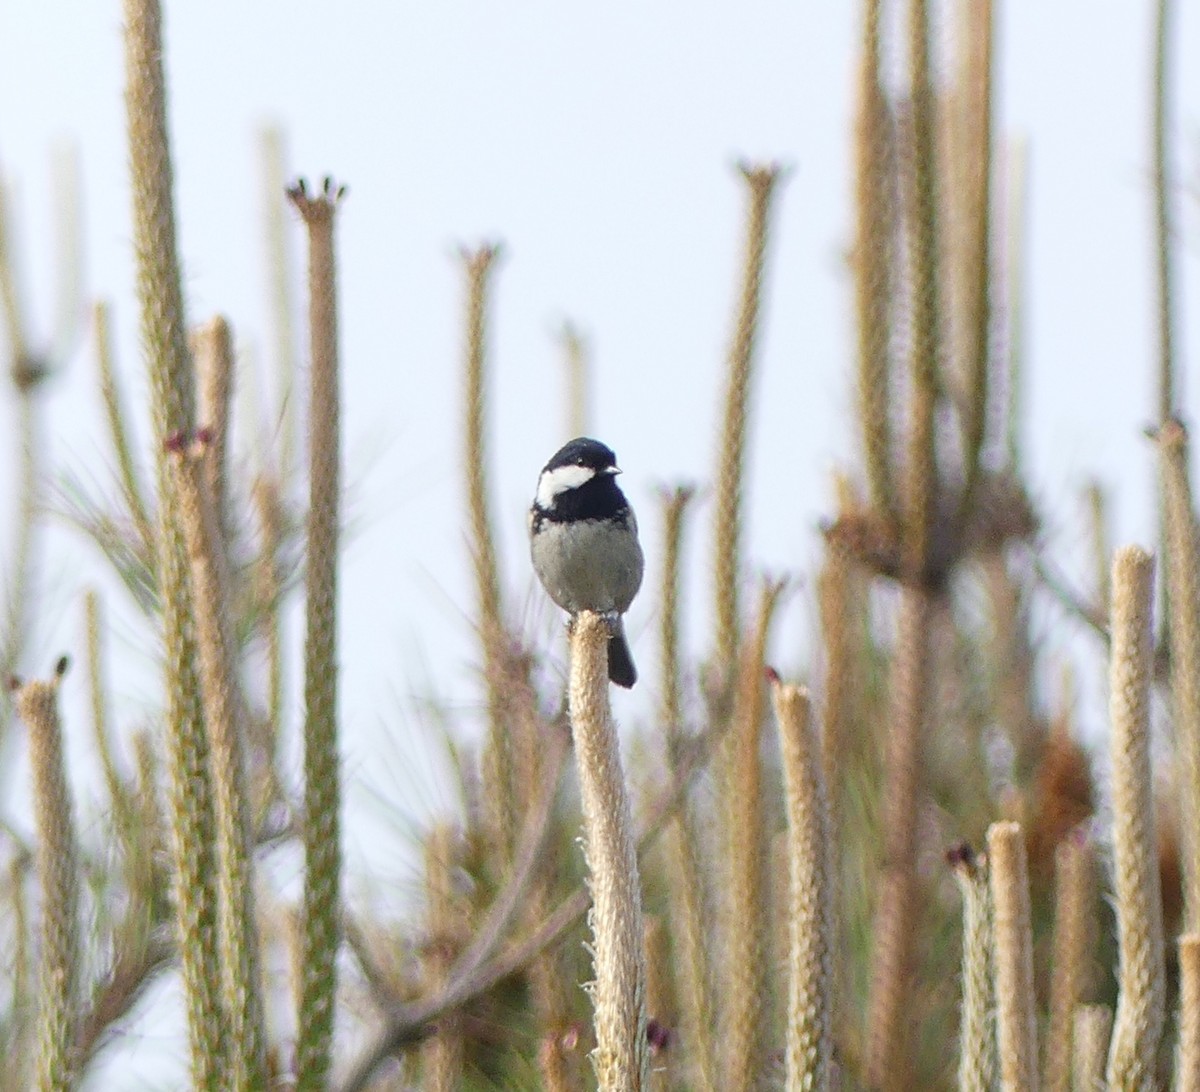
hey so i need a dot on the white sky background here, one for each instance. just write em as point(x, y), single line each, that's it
point(596, 142)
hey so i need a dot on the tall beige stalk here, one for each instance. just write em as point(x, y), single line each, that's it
point(1164, 239)
point(809, 1048)
point(874, 256)
point(226, 715)
point(1016, 1005)
point(727, 509)
point(688, 886)
point(1187, 1054)
point(621, 1058)
point(744, 984)
point(977, 1032)
point(499, 758)
point(1072, 949)
point(58, 873)
point(1138, 1024)
point(164, 344)
point(896, 918)
point(974, 263)
point(1183, 568)
point(322, 793)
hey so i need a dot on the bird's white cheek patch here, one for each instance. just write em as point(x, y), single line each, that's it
point(553, 483)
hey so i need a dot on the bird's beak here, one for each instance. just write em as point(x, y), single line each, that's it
point(612, 470)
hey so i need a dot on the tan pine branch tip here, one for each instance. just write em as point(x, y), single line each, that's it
point(1138, 1023)
point(1093, 1026)
point(727, 511)
point(621, 1058)
point(1016, 1006)
point(1187, 1054)
point(1183, 606)
point(163, 325)
point(809, 1046)
point(977, 1036)
point(320, 930)
point(501, 776)
point(59, 876)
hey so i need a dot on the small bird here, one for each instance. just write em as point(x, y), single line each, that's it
point(584, 542)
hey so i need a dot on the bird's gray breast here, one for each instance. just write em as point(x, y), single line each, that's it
point(589, 564)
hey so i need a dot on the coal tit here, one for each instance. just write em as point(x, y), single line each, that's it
point(584, 542)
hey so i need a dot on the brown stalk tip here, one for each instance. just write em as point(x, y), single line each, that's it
point(773, 676)
point(961, 856)
point(317, 206)
point(14, 683)
point(62, 665)
point(1172, 434)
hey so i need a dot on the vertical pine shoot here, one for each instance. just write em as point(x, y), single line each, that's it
point(1138, 1023)
point(322, 794)
point(164, 343)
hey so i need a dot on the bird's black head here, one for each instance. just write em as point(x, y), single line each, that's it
point(584, 452)
point(579, 482)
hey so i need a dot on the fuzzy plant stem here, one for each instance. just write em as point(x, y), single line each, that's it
point(1073, 947)
point(809, 1047)
point(58, 872)
point(1164, 236)
point(874, 248)
point(499, 757)
point(621, 1057)
point(976, 1033)
point(1138, 1023)
point(690, 913)
point(727, 510)
point(1093, 1026)
point(896, 917)
point(920, 474)
point(322, 794)
point(976, 266)
point(1187, 1054)
point(226, 716)
point(1183, 606)
point(1016, 1006)
point(172, 405)
point(744, 986)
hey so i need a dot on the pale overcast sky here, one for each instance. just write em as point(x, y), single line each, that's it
point(596, 141)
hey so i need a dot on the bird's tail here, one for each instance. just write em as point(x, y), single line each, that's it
point(620, 661)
